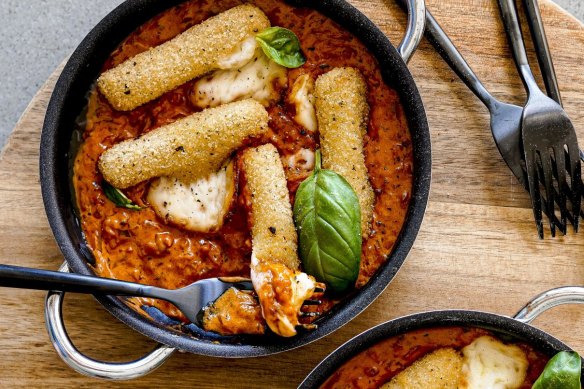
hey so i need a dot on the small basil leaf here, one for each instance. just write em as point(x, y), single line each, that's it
point(563, 371)
point(118, 197)
point(328, 218)
point(282, 46)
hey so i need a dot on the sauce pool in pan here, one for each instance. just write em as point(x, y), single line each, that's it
point(139, 246)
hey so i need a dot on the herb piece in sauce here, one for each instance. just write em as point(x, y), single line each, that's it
point(563, 371)
point(328, 219)
point(118, 197)
point(282, 46)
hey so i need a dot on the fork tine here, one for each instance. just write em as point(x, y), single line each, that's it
point(571, 193)
point(309, 314)
point(561, 226)
point(532, 181)
point(576, 179)
point(308, 327)
point(563, 188)
point(546, 165)
point(547, 211)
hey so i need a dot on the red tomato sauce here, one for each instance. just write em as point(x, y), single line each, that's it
point(138, 246)
point(378, 364)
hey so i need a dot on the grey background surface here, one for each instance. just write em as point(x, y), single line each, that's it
point(38, 34)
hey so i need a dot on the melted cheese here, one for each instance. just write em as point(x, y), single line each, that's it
point(258, 79)
point(302, 98)
point(490, 364)
point(302, 160)
point(242, 55)
point(281, 292)
point(200, 205)
point(299, 165)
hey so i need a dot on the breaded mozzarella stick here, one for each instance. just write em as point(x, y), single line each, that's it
point(280, 286)
point(439, 369)
point(341, 111)
point(205, 47)
point(190, 148)
point(273, 233)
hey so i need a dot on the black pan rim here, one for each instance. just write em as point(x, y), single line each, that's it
point(80, 72)
point(500, 324)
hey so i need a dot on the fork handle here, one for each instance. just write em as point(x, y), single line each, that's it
point(513, 30)
point(542, 50)
point(28, 278)
point(442, 43)
point(444, 46)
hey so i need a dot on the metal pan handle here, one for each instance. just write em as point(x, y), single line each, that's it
point(415, 29)
point(88, 366)
point(550, 299)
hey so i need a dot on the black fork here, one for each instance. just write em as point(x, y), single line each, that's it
point(549, 139)
point(505, 118)
point(544, 58)
point(190, 300)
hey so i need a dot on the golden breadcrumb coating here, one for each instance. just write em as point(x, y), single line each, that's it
point(190, 148)
point(273, 234)
point(342, 111)
point(189, 55)
point(441, 369)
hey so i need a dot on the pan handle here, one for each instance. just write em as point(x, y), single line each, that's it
point(415, 29)
point(550, 299)
point(88, 366)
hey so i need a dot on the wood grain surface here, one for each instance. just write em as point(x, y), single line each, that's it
point(477, 249)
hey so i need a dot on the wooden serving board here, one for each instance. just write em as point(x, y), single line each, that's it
point(477, 248)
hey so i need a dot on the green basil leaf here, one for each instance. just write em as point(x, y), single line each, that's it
point(282, 46)
point(563, 371)
point(328, 219)
point(118, 197)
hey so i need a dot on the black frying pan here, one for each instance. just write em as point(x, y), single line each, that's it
point(516, 327)
point(68, 101)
